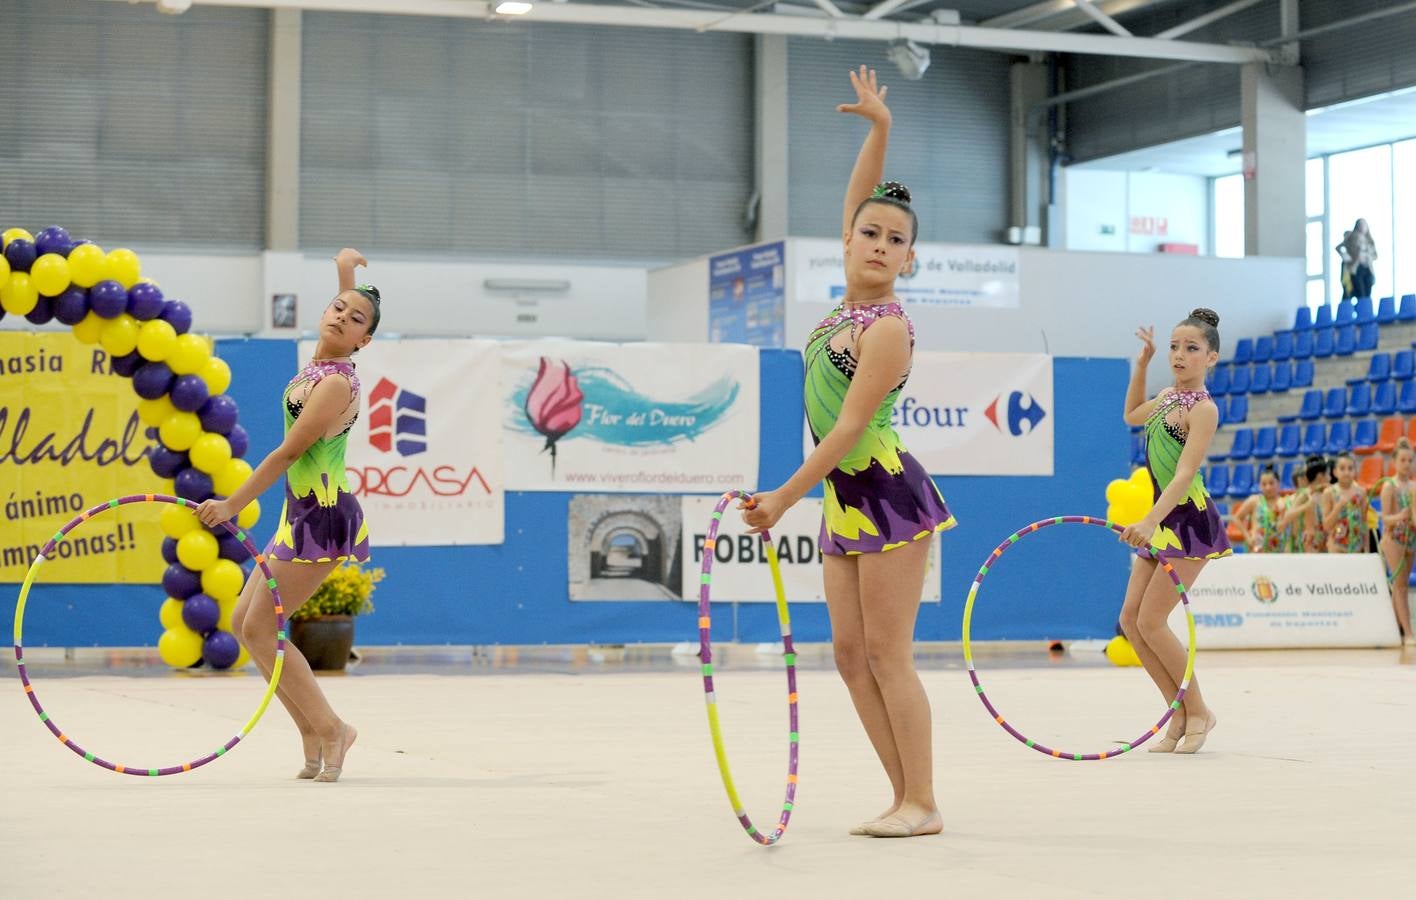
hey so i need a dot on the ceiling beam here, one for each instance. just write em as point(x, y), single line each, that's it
point(1207, 19)
point(766, 23)
point(1102, 18)
point(1064, 15)
point(831, 9)
point(883, 9)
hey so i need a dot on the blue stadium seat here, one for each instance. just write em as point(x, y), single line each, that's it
point(1138, 446)
point(1335, 406)
point(1239, 409)
point(1285, 478)
point(1406, 398)
point(1303, 373)
point(1364, 313)
point(1218, 381)
point(1241, 481)
point(1323, 319)
point(1239, 380)
point(1323, 342)
point(1302, 344)
point(1282, 377)
point(1314, 439)
point(1260, 379)
point(1289, 440)
point(1265, 442)
point(1303, 318)
point(1217, 481)
point(1345, 314)
point(1368, 337)
point(1364, 436)
point(1263, 349)
point(1282, 345)
point(1312, 405)
point(1346, 341)
point(1360, 402)
point(1406, 311)
point(1384, 399)
point(1386, 311)
point(1339, 438)
point(1379, 369)
point(1244, 351)
point(1243, 446)
point(1403, 365)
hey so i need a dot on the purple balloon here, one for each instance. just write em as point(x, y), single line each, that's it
point(129, 364)
point(53, 240)
point(71, 306)
point(169, 550)
point(230, 547)
point(219, 414)
point(178, 315)
point(166, 463)
point(200, 613)
point(152, 380)
point(43, 311)
point(193, 484)
point(239, 440)
point(181, 582)
point(145, 301)
point(20, 254)
point(221, 650)
point(108, 299)
point(189, 393)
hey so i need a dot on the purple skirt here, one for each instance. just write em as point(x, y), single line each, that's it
point(312, 533)
point(897, 508)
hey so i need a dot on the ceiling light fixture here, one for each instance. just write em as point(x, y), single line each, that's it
point(911, 58)
point(513, 8)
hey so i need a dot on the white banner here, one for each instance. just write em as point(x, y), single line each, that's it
point(1283, 600)
point(588, 417)
point(977, 413)
point(978, 276)
point(740, 569)
point(422, 459)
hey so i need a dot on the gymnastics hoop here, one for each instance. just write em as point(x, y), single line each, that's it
point(705, 655)
point(973, 675)
point(46, 551)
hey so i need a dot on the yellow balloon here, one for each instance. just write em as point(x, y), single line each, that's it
point(177, 521)
point(180, 430)
point(242, 660)
point(153, 412)
point(250, 515)
point(231, 476)
point(122, 266)
point(197, 549)
point(217, 375)
point(86, 265)
point(4, 270)
point(1116, 490)
point(1141, 478)
point(18, 295)
point(180, 647)
point(1120, 652)
point(189, 355)
point(156, 338)
point(89, 329)
point(222, 581)
point(50, 274)
point(170, 614)
point(119, 336)
point(12, 233)
point(223, 621)
point(210, 453)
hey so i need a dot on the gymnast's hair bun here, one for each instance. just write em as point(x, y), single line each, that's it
point(891, 190)
point(369, 291)
point(1208, 316)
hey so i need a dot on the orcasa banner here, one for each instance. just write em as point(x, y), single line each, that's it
point(425, 456)
point(70, 438)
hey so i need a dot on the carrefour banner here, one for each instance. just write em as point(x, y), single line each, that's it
point(1287, 600)
point(665, 418)
point(740, 569)
point(978, 413)
point(425, 456)
point(69, 439)
point(944, 275)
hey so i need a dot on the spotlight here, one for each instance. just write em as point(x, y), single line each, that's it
point(911, 58)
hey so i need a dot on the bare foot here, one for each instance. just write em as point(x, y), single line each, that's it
point(1173, 734)
point(311, 744)
point(860, 829)
point(907, 821)
point(1195, 737)
point(335, 750)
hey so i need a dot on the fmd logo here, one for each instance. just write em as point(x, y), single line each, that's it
point(397, 419)
point(1021, 407)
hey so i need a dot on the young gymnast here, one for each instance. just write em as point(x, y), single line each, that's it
point(1260, 516)
point(1183, 525)
point(1345, 507)
point(321, 522)
point(881, 509)
point(1398, 541)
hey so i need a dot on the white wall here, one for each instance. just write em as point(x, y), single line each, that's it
point(1096, 200)
point(678, 302)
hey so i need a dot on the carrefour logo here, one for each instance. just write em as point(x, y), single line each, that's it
point(1021, 407)
point(397, 419)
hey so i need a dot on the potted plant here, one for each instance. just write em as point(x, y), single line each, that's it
point(323, 628)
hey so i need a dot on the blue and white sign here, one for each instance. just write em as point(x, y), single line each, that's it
point(977, 276)
point(747, 296)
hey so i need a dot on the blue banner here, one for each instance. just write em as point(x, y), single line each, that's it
point(747, 294)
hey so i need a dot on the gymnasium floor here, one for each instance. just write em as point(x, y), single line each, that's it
point(589, 773)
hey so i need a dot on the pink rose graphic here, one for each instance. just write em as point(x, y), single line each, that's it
point(553, 404)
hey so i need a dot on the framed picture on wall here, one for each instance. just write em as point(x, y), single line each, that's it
point(282, 311)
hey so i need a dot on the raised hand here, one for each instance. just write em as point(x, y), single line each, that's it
point(350, 257)
point(1147, 336)
point(870, 98)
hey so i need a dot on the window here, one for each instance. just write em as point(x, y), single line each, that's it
point(1316, 197)
point(1404, 233)
point(1359, 187)
point(1228, 205)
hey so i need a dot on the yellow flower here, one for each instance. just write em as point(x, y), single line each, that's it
point(344, 592)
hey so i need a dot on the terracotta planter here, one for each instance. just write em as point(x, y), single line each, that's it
point(325, 641)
